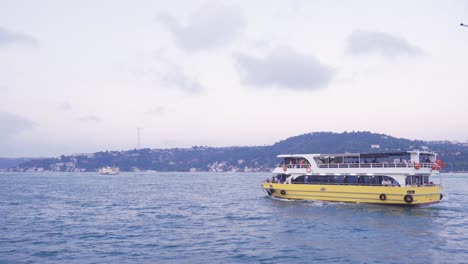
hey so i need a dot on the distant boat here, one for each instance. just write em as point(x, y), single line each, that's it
point(107, 170)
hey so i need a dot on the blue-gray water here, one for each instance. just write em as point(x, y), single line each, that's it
point(215, 218)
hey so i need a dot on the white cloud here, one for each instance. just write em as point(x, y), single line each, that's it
point(175, 77)
point(212, 25)
point(159, 110)
point(362, 42)
point(13, 124)
point(4, 89)
point(10, 38)
point(166, 74)
point(65, 106)
point(184, 62)
point(284, 68)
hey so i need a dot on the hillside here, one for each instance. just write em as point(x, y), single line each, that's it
point(12, 162)
point(249, 158)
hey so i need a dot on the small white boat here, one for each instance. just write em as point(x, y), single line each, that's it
point(107, 170)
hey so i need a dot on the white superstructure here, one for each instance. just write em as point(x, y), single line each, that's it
point(109, 170)
point(398, 165)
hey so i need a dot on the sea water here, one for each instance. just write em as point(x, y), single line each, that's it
point(215, 218)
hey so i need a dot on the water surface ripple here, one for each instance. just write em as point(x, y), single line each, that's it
point(215, 218)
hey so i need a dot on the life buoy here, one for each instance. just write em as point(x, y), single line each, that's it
point(408, 198)
point(440, 163)
point(283, 192)
point(309, 169)
point(441, 196)
point(285, 168)
point(383, 197)
point(417, 166)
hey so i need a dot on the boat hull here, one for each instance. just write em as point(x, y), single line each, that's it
point(356, 194)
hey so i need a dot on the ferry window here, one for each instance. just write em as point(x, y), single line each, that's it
point(368, 180)
point(378, 179)
point(336, 160)
point(352, 179)
point(394, 182)
point(413, 180)
point(408, 180)
point(303, 179)
point(282, 177)
point(322, 161)
point(339, 179)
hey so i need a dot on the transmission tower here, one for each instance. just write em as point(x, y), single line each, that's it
point(138, 146)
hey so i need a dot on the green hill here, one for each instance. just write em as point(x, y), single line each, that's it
point(12, 162)
point(255, 158)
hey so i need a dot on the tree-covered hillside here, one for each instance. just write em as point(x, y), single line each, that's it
point(328, 142)
point(11, 162)
point(250, 158)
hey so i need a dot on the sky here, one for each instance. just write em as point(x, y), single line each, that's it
point(82, 76)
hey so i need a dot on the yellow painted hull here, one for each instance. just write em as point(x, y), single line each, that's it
point(356, 194)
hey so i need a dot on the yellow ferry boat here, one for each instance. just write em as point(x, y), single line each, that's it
point(401, 178)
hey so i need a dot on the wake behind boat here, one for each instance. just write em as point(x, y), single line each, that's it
point(405, 178)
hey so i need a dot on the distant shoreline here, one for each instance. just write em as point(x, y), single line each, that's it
point(244, 158)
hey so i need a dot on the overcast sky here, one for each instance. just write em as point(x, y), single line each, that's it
point(81, 76)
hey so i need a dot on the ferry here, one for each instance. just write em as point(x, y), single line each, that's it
point(107, 170)
point(398, 178)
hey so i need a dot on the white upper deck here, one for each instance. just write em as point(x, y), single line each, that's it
point(388, 163)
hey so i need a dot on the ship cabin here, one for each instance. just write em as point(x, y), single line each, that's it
point(409, 168)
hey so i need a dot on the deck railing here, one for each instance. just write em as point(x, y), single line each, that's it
point(368, 184)
point(361, 165)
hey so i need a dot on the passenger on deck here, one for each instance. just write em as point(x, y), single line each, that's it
point(386, 182)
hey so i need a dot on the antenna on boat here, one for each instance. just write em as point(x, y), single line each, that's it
point(463, 25)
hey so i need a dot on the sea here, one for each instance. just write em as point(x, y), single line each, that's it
point(156, 217)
